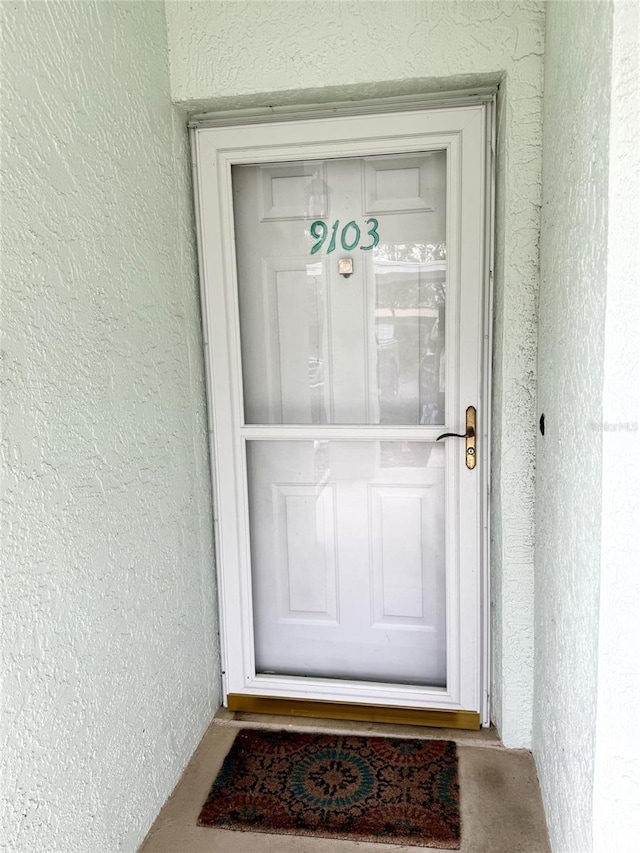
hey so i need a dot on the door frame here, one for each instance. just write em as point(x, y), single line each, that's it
point(220, 404)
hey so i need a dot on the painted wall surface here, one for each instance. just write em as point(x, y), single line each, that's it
point(108, 636)
point(570, 376)
point(238, 54)
point(616, 793)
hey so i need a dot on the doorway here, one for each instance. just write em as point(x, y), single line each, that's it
point(344, 270)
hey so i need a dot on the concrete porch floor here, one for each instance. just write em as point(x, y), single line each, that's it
point(500, 800)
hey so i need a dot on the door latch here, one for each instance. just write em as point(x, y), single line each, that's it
point(469, 436)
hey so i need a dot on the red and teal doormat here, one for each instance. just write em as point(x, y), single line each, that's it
point(358, 788)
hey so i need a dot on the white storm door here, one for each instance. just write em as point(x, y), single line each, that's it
point(343, 276)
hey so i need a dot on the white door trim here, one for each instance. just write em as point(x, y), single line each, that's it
point(332, 109)
point(214, 152)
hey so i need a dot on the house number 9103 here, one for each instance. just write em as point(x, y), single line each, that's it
point(349, 236)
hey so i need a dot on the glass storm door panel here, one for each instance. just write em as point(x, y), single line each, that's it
point(347, 543)
point(321, 346)
point(341, 269)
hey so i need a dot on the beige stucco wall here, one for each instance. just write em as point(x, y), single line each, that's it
point(616, 785)
point(227, 55)
point(108, 616)
point(587, 685)
point(570, 376)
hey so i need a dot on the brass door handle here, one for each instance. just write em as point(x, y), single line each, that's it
point(469, 436)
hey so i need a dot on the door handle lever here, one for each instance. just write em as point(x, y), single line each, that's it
point(469, 435)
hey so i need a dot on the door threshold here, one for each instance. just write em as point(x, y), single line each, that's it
point(275, 705)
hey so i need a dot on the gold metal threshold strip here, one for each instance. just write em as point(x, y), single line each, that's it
point(353, 711)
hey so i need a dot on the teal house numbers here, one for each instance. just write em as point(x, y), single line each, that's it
point(349, 236)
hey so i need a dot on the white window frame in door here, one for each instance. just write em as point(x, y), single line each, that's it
point(465, 131)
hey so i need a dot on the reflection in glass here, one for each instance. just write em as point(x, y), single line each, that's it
point(321, 347)
point(410, 327)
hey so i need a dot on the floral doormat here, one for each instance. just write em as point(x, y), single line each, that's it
point(358, 788)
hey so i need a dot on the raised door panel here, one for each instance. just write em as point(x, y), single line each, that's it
point(407, 551)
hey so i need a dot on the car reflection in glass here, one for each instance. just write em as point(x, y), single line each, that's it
point(410, 351)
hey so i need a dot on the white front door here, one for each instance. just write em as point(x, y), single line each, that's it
point(343, 267)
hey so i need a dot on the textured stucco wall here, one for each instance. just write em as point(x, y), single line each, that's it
point(109, 643)
point(570, 382)
point(235, 54)
point(616, 792)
